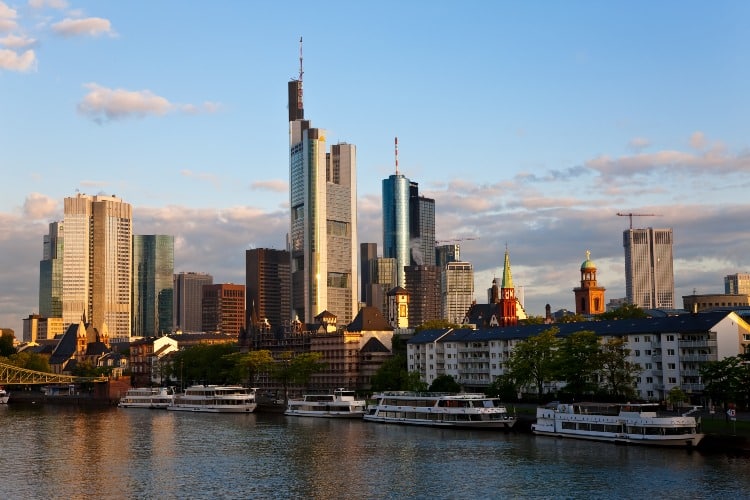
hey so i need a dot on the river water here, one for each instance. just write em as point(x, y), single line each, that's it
point(70, 453)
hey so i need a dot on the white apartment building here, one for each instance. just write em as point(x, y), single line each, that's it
point(669, 350)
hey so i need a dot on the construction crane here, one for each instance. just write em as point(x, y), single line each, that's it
point(631, 215)
point(455, 240)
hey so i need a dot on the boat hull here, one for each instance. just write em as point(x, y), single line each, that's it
point(324, 413)
point(499, 424)
point(690, 441)
point(249, 408)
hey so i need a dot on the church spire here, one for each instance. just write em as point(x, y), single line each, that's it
point(507, 276)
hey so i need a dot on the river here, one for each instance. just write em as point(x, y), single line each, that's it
point(70, 453)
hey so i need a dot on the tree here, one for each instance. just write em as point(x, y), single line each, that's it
point(726, 380)
point(532, 320)
point(249, 365)
point(578, 362)
point(289, 369)
point(503, 387)
point(617, 373)
point(436, 324)
point(625, 311)
point(533, 361)
point(206, 364)
point(30, 361)
point(445, 383)
point(6, 343)
point(676, 397)
point(394, 376)
point(572, 318)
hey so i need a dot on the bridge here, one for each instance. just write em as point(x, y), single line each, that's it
point(13, 375)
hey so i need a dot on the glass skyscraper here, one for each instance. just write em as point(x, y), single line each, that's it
point(153, 285)
point(51, 273)
point(396, 219)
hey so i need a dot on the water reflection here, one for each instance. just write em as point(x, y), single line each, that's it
point(53, 452)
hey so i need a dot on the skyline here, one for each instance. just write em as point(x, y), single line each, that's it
point(531, 125)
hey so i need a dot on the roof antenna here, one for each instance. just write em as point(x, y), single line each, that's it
point(396, 145)
point(301, 72)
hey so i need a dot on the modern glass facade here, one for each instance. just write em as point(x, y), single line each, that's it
point(51, 273)
point(153, 285)
point(649, 275)
point(268, 289)
point(188, 300)
point(396, 228)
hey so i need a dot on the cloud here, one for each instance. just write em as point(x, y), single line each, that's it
point(8, 18)
point(103, 104)
point(53, 4)
point(638, 144)
point(698, 140)
point(202, 176)
point(38, 206)
point(274, 185)
point(14, 61)
point(91, 26)
point(17, 42)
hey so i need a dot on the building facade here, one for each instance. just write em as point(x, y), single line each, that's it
point(153, 285)
point(97, 263)
point(367, 253)
point(268, 287)
point(396, 223)
point(705, 302)
point(51, 273)
point(737, 284)
point(188, 300)
point(649, 275)
point(669, 350)
point(457, 290)
point(323, 226)
point(589, 297)
point(224, 308)
point(425, 298)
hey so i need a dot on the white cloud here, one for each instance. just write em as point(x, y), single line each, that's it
point(638, 143)
point(698, 140)
point(8, 18)
point(38, 206)
point(17, 42)
point(13, 61)
point(91, 26)
point(53, 4)
point(275, 185)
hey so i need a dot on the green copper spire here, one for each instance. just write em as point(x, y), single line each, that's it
point(507, 277)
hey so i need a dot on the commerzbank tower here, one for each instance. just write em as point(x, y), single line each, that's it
point(323, 223)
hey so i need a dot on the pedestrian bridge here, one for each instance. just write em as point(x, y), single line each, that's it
point(13, 375)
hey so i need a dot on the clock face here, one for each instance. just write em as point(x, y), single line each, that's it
point(507, 294)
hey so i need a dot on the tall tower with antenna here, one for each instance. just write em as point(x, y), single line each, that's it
point(396, 219)
point(296, 107)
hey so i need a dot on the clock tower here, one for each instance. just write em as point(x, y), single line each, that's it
point(589, 296)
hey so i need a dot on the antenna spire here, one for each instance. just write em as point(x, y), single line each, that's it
point(396, 146)
point(300, 59)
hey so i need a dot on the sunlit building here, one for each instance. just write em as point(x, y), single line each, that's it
point(153, 285)
point(188, 300)
point(649, 276)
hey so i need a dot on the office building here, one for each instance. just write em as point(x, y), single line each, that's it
point(737, 284)
point(268, 287)
point(224, 308)
point(396, 226)
point(153, 285)
point(383, 275)
point(649, 276)
point(367, 252)
point(447, 253)
point(323, 225)
point(458, 290)
point(425, 300)
point(188, 300)
point(97, 264)
point(51, 273)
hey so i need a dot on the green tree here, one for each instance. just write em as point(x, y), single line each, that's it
point(676, 397)
point(445, 383)
point(289, 369)
point(206, 364)
point(625, 311)
point(572, 318)
point(436, 324)
point(249, 365)
point(726, 380)
point(6, 343)
point(412, 381)
point(504, 387)
point(617, 373)
point(532, 320)
point(30, 361)
point(578, 361)
point(388, 376)
point(534, 360)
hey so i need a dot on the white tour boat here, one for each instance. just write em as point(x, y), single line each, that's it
point(147, 397)
point(619, 423)
point(440, 410)
point(4, 396)
point(341, 404)
point(215, 399)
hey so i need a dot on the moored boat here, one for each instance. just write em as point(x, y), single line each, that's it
point(618, 423)
point(147, 397)
point(440, 410)
point(215, 399)
point(4, 396)
point(341, 404)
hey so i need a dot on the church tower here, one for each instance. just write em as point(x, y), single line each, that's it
point(507, 302)
point(589, 296)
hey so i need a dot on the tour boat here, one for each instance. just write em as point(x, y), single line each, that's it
point(619, 423)
point(341, 404)
point(147, 397)
point(4, 396)
point(440, 410)
point(215, 399)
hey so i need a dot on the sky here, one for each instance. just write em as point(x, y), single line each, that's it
point(531, 124)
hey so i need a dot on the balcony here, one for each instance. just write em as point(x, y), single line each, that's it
point(703, 344)
point(699, 357)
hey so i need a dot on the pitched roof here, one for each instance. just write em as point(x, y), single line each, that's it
point(374, 345)
point(66, 347)
point(369, 319)
point(684, 323)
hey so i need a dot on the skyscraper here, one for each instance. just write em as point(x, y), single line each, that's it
point(457, 290)
point(153, 285)
point(425, 300)
point(224, 308)
point(367, 252)
point(51, 273)
point(268, 289)
point(188, 300)
point(649, 276)
point(737, 284)
point(323, 227)
point(97, 263)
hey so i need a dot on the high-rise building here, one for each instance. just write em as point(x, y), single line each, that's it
point(383, 273)
point(268, 287)
point(737, 284)
point(447, 253)
point(224, 308)
point(458, 290)
point(367, 252)
point(426, 236)
point(51, 273)
point(188, 300)
point(649, 276)
point(425, 300)
point(97, 264)
point(396, 223)
point(323, 228)
point(153, 285)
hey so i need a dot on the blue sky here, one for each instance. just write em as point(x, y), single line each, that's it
point(531, 124)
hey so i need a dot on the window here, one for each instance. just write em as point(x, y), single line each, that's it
point(670, 352)
point(648, 366)
point(671, 366)
point(672, 380)
point(647, 352)
point(637, 353)
point(649, 380)
point(647, 338)
point(636, 339)
point(670, 338)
